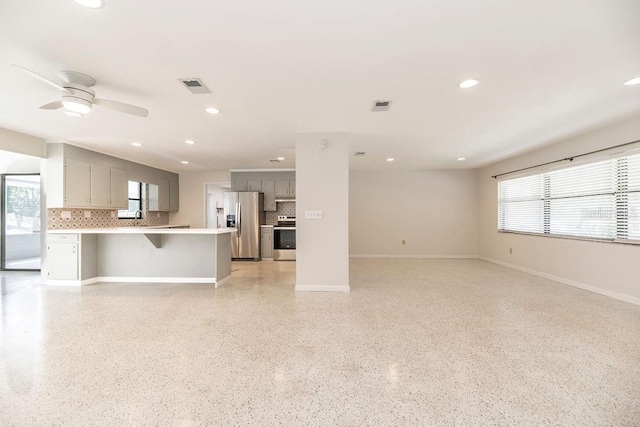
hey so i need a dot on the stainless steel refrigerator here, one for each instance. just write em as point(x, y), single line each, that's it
point(244, 212)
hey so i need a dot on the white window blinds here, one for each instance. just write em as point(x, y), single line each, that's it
point(598, 200)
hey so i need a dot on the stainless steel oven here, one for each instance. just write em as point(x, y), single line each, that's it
point(284, 239)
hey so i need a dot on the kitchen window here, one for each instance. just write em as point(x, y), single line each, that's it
point(599, 201)
point(135, 201)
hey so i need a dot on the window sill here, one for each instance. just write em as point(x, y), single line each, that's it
point(583, 239)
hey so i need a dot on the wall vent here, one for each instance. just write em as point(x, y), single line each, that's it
point(195, 86)
point(359, 153)
point(381, 105)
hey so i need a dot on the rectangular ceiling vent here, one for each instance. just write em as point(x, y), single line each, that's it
point(359, 153)
point(274, 161)
point(195, 86)
point(381, 105)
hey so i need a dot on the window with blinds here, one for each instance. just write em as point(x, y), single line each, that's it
point(594, 201)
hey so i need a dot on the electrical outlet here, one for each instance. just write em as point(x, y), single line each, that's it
point(87, 214)
point(158, 215)
point(65, 215)
point(403, 242)
point(113, 214)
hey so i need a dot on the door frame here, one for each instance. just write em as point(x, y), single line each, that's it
point(3, 240)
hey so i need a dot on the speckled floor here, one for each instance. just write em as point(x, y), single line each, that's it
point(416, 342)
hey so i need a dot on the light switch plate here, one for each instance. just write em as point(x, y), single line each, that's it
point(65, 214)
point(313, 214)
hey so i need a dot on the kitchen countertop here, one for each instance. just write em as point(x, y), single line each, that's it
point(140, 230)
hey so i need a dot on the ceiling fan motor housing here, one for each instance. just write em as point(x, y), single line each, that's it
point(79, 99)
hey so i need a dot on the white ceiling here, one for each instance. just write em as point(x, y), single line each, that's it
point(547, 69)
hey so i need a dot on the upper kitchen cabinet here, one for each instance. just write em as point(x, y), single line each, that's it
point(119, 189)
point(254, 185)
point(100, 186)
point(286, 188)
point(164, 196)
point(77, 184)
point(269, 190)
point(239, 185)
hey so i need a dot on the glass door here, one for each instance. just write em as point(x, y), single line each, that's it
point(20, 217)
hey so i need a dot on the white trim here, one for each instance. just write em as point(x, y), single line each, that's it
point(605, 292)
point(211, 280)
point(320, 288)
point(264, 170)
point(414, 256)
point(50, 282)
point(223, 281)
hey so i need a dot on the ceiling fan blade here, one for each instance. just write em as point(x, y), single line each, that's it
point(122, 107)
point(52, 105)
point(42, 79)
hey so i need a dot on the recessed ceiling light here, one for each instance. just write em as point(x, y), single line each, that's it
point(184, 162)
point(212, 110)
point(634, 81)
point(281, 158)
point(190, 141)
point(73, 114)
point(136, 144)
point(461, 159)
point(93, 4)
point(468, 83)
point(390, 159)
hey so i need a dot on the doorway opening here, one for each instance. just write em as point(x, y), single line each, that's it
point(20, 222)
point(214, 204)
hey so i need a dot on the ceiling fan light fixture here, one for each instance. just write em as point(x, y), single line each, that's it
point(634, 81)
point(76, 105)
point(92, 4)
point(72, 114)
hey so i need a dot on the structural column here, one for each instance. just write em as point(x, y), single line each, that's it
point(322, 212)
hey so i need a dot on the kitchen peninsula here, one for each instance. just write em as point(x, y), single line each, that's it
point(138, 254)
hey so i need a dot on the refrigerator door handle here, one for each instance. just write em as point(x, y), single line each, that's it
point(239, 220)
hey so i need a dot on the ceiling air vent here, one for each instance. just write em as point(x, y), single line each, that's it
point(381, 105)
point(274, 161)
point(195, 86)
point(359, 153)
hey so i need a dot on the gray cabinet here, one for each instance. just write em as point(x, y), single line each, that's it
point(100, 186)
point(174, 196)
point(239, 185)
point(62, 257)
point(77, 183)
point(286, 188)
point(254, 185)
point(165, 196)
point(269, 190)
point(119, 189)
point(267, 243)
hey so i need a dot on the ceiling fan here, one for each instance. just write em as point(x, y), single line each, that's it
point(78, 97)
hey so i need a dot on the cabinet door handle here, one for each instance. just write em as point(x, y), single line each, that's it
point(74, 249)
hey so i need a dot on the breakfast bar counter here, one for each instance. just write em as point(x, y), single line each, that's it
point(137, 254)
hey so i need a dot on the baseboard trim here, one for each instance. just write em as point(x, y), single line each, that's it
point(382, 256)
point(319, 288)
point(222, 281)
point(594, 289)
point(210, 280)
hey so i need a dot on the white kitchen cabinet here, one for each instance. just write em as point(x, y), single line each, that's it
point(62, 257)
point(239, 185)
point(269, 190)
point(174, 196)
point(100, 186)
point(119, 189)
point(286, 188)
point(267, 243)
point(77, 183)
point(164, 194)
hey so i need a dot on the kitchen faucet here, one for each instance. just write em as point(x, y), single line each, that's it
point(136, 218)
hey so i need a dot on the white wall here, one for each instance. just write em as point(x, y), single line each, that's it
point(192, 197)
point(607, 268)
point(22, 143)
point(434, 211)
point(322, 184)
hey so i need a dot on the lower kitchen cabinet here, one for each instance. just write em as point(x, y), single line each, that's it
point(267, 243)
point(62, 257)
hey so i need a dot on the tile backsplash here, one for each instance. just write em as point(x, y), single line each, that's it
point(103, 218)
point(284, 208)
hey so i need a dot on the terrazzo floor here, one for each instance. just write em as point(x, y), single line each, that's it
point(415, 342)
